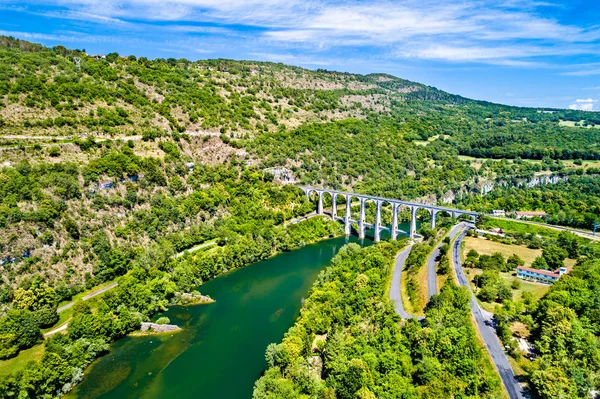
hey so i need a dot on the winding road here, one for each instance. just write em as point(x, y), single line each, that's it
point(485, 325)
point(395, 295)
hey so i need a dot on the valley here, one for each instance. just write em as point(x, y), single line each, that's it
point(343, 223)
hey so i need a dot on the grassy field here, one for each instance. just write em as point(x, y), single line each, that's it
point(488, 247)
point(572, 124)
point(17, 363)
point(585, 164)
point(477, 162)
point(515, 226)
point(536, 289)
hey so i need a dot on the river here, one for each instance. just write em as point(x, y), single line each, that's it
point(220, 351)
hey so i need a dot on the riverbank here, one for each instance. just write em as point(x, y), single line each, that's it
point(255, 305)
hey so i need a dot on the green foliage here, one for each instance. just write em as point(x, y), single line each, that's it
point(19, 329)
point(514, 261)
point(574, 203)
point(491, 286)
point(367, 354)
point(489, 262)
point(554, 256)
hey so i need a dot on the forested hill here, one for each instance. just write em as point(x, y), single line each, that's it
point(101, 155)
point(161, 174)
point(45, 93)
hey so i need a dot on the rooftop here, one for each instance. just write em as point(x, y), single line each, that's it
point(548, 273)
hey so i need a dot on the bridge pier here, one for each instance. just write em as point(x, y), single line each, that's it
point(347, 226)
point(396, 204)
point(413, 222)
point(334, 206)
point(376, 235)
point(433, 216)
point(394, 221)
point(320, 203)
point(361, 221)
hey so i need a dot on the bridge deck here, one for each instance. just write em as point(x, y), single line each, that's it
point(388, 200)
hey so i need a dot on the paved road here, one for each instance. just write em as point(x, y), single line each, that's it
point(432, 272)
point(582, 233)
point(486, 328)
point(432, 264)
point(88, 296)
point(395, 290)
point(195, 248)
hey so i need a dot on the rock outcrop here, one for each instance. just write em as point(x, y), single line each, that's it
point(158, 328)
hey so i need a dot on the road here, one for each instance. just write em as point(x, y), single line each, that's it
point(395, 289)
point(195, 248)
point(432, 264)
point(88, 296)
point(486, 328)
point(581, 233)
point(301, 218)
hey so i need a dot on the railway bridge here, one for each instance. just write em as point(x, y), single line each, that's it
point(379, 201)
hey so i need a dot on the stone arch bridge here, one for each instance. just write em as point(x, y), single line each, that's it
point(379, 201)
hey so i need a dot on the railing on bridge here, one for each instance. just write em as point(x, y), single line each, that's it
point(379, 201)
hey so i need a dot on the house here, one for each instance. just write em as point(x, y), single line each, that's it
point(499, 212)
point(542, 276)
point(529, 214)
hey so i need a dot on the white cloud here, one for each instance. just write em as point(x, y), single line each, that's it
point(586, 104)
point(583, 72)
point(291, 59)
point(508, 32)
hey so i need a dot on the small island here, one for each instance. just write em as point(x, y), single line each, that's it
point(193, 298)
point(161, 326)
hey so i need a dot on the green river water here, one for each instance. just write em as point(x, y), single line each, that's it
point(220, 351)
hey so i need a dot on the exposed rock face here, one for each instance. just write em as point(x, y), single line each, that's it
point(315, 365)
point(159, 328)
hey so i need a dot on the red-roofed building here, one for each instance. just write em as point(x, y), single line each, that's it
point(543, 276)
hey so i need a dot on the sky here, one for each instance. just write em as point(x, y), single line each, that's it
point(528, 52)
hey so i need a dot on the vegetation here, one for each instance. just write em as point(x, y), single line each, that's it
point(563, 329)
point(367, 353)
point(575, 203)
point(144, 291)
point(110, 171)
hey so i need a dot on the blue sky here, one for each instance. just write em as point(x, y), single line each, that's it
point(528, 53)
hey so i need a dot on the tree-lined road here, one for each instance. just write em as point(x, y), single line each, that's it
point(432, 288)
point(88, 296)
point(486, 328)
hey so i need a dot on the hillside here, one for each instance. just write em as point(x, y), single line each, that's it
point(124, 151)
point(113, 167)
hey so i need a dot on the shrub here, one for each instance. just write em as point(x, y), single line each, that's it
point(54, 151)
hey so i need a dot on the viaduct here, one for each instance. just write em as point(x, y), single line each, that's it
point(379, 201)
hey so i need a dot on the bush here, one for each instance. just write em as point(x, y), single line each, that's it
point(163, 320)
point(46, 317)
point(54, 151)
